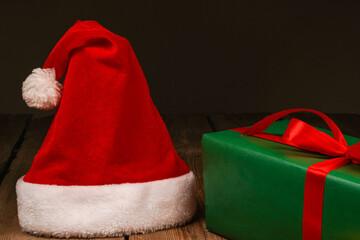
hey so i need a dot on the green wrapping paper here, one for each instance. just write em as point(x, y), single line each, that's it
point(254, 188)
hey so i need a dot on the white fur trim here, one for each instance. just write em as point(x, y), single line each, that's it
point(105, 210)
point(41, 90)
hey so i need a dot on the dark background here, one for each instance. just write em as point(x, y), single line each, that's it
point(204, 56)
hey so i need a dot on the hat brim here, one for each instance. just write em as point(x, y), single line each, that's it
point(105, 210)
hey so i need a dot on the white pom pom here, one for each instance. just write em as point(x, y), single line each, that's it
point(41, 90)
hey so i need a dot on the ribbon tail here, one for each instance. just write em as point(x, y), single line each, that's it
point(314, 195)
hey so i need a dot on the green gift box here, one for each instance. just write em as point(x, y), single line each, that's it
point(254, 188)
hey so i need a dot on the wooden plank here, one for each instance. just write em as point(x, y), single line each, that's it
point(11, 130)
point(9, 226)
point(34, 136)
point(186, 132)
point(221, 122)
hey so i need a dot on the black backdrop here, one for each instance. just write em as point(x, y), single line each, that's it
point(204, 56)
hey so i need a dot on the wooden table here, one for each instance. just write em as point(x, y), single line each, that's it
point(21, 137)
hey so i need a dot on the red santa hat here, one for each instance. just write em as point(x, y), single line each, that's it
point(107, 166)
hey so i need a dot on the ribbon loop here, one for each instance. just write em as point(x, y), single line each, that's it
point(266, 122)
point(302, 135)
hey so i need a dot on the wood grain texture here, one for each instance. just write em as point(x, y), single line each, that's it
point(11, 130)
point(34, 136)
point(186, 132)
point(221, 122)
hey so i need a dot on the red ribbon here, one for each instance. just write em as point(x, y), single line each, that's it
point(301, 135)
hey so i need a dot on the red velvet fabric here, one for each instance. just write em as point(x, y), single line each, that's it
point(106, 129)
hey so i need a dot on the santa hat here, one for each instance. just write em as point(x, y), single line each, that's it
point(107, 166)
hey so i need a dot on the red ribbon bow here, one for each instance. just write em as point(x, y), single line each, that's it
point(301, 135)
